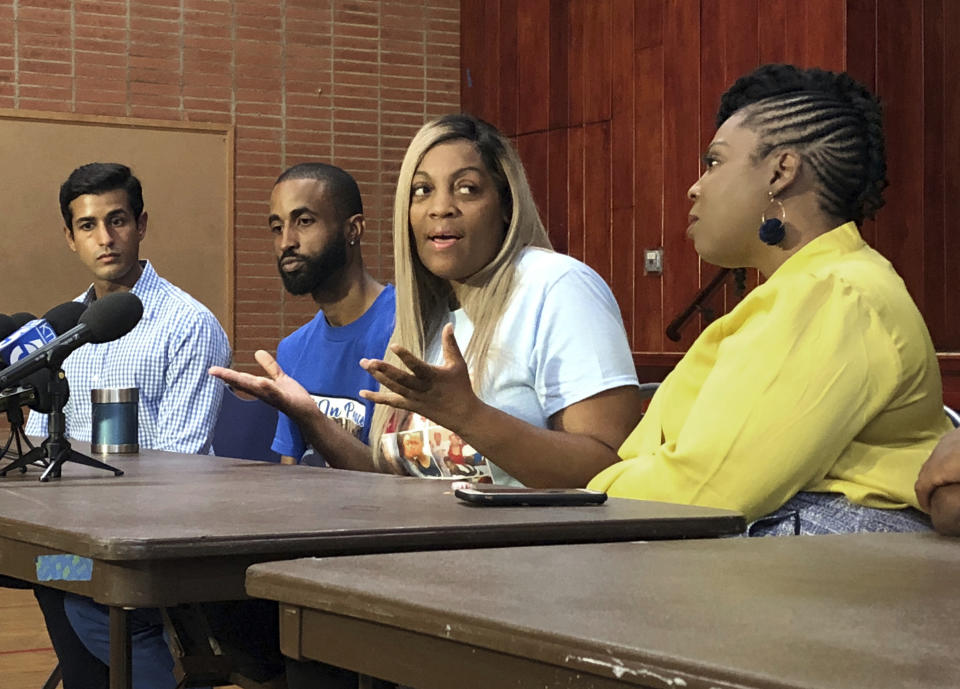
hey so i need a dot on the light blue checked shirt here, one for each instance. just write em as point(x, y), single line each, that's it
point(166, 356)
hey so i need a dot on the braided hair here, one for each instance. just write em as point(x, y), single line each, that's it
point(830, 119)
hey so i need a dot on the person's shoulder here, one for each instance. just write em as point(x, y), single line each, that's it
point(864, 277)
point(546, 267)
point(385, 305)
point(170, 302)
point(305, 332)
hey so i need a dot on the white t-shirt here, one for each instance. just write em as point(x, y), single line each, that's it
point(560, 341)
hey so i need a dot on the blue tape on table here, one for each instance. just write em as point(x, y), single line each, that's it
point(64, 568)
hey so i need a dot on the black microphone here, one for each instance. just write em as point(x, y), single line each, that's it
point(34, 389)
point(64, 316)
point(106, 319)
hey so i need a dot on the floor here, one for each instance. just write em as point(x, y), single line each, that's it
point(26, 657)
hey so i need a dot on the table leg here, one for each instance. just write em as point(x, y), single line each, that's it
point(121, 666)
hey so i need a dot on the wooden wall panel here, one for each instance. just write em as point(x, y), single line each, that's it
point(575, 62)
point(559, 33)
point(533, 71)
point(861, 63)
point(951, 180)
point(933, 238)
point(623, 251)
point(597, 242)
point(576, 180)
point(472, 13)
point(901, 25)
point(681, 159)
point(559, 199)
point(596, 60)
point(646, 308)
point(510, 88)
point(825, 23)
point(772, 28)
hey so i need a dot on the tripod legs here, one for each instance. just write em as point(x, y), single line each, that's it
point(68, 454)
point(34, 456)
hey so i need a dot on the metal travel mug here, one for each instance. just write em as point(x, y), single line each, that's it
point(115, 428)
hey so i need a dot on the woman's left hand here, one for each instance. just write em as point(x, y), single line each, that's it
point(442, 394)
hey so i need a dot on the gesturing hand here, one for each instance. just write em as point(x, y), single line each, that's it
point(442, 394)
point(276, 388)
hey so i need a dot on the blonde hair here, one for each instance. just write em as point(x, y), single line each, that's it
point(422, 297)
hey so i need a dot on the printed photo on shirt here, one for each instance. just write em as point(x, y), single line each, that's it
point(428, 450)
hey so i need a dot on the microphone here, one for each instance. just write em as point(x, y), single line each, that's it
point(105, 320)
point(39, 331)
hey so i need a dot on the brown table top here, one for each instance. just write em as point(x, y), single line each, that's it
point(878, 611)
point(173, 511)
point(170, 505)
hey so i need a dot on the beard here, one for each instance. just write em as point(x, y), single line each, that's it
point(317, 270)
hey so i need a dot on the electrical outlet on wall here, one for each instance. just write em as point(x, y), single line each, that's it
point(652, 261)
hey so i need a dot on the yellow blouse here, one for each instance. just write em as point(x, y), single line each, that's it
point(823, 379)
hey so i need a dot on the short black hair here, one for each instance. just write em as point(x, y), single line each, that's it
point(339, 183)
point(99, 178)
point(833, 121)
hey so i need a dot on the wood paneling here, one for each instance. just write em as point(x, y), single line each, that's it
point(933, 239)
point(646, 307)
point(950, 338)
point(900, 222)
point(612, 101)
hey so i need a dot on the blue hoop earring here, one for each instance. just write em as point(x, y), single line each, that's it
point(772, 230)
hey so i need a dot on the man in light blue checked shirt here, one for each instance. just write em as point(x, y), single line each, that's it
point(166, 356)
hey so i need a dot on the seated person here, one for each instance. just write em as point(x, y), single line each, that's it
point(316, 216)
point(164, 356)
point(938, 485)
point(818, 397)
point(489, 342)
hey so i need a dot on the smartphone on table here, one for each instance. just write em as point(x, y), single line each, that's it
point(491, 495)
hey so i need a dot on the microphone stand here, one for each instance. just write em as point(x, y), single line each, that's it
point(15, 416)
point(56, 450)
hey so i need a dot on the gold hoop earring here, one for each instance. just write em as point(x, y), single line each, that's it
point(772, 230)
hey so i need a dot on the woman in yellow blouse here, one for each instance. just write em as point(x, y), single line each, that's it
point(817, 399)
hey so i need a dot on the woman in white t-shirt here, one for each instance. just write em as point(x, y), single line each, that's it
point(516, 349)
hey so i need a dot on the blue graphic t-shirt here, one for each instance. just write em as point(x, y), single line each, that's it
point(326, 361)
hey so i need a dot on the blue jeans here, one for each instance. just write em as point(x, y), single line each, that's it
point(248, 631)
point(831, 513)
point(152, 662)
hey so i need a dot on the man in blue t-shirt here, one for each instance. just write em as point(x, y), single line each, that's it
point(316, 216)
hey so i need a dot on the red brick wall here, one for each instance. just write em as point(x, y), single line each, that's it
point(344, 81)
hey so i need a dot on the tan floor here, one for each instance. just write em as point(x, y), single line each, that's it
point(26, 657)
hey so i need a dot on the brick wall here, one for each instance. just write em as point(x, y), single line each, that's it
point(344, 81)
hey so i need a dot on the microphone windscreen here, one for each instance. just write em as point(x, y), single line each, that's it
point(7, 325)
point(21, 318)
point(112, 316)
point(63, 317)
